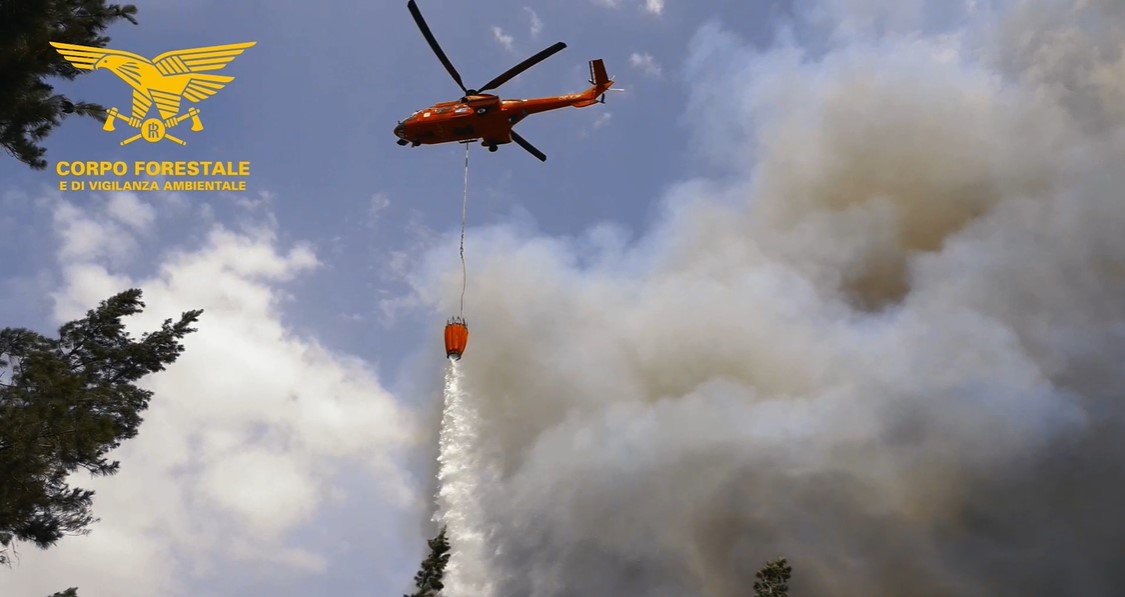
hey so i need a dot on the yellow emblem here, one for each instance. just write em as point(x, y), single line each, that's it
point(164, 81)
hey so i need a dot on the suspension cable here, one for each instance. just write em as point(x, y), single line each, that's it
point(464, 213)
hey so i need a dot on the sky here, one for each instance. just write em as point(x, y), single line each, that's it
point(838, 280)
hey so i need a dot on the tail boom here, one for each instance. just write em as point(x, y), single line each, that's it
point(600, 81)
point(517, 110)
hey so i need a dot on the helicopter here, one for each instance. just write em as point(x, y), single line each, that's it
point(484, 116)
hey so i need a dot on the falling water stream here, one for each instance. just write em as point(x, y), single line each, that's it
point(462, 477)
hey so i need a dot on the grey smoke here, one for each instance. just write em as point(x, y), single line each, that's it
point(891, 346)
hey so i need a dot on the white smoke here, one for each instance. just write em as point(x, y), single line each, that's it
point(888, 346)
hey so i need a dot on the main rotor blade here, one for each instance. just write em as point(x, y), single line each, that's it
point(417, 14)
point(526, 64)
point(529, 147)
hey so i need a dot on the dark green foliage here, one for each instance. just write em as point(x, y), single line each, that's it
point(64, 405)
point(71, 592)
point(29, 108)
point(428, 579)
point(773, 579)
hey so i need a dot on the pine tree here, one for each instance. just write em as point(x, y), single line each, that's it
point(428, 579)
point(29, 109)
point(773, 579)
point(64, 404)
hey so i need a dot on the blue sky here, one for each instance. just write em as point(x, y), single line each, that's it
point(766, 267)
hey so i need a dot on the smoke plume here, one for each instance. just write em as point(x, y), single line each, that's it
point(890, 345)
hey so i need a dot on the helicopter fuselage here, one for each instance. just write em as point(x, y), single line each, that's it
point(483, 116)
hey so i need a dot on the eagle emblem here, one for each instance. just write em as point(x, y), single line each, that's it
point(164, 81)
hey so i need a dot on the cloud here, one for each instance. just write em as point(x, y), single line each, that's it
point(253, 436)
point(502, 38)
point(267, 491)
point(128, 209)
point(536, 22)
point(378, 204)
point(646, 63)
point(655, 7)
point(399, 268)
point(103, 235)
point(877, 344)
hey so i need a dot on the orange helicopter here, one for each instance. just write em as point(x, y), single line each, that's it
point(484, 116)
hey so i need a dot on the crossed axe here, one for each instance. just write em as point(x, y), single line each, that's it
point(192, 113)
